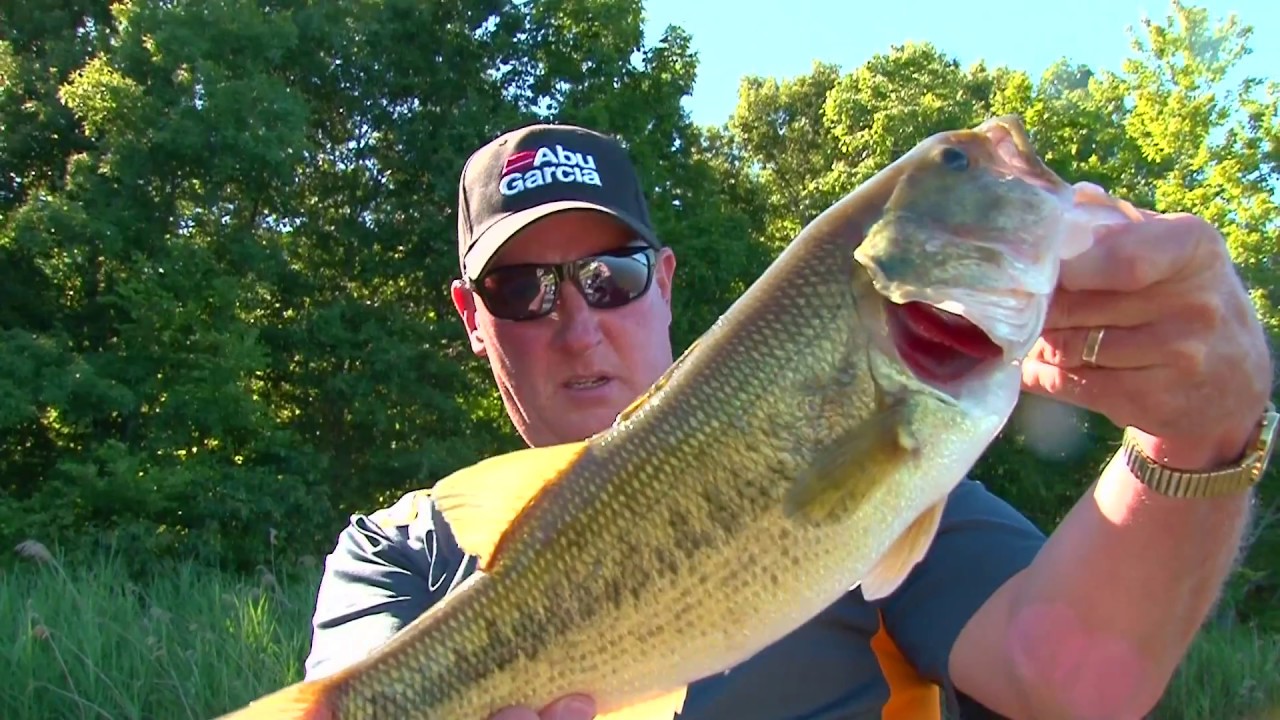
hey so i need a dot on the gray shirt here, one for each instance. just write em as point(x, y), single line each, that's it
point(857, 659)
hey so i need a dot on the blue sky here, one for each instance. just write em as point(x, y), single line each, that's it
point(782, 38)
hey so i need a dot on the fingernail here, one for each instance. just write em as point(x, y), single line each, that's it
point(1106, 229)
point(577, 708)
point(1091, 188)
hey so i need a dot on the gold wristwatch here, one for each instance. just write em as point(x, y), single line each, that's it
point(1202, 484)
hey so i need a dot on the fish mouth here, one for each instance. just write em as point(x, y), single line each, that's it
point(1012, 145)
point(938, 346)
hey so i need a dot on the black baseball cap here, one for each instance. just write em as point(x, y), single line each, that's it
point(535, 171)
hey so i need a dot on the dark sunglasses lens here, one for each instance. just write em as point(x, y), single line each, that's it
point(518, 292)
point(609, 281)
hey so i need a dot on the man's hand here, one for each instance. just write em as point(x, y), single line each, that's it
point(571, 707)
point(1182, 358)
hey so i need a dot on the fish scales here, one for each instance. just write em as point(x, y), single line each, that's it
point(609, 509)
point(792, 453)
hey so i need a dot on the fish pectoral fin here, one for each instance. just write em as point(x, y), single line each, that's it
point(299, 701)
point(910, 547)
point(847, 469)
point(481, 501)
point(662, 707)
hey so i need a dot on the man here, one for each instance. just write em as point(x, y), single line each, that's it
point(1089, 622)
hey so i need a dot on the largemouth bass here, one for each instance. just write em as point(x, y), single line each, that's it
point(803, 446)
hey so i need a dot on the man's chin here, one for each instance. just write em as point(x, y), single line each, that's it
point(582, 423)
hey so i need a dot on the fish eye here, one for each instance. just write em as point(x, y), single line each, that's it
point(954, 158)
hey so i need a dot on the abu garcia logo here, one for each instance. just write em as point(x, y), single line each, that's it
point(533, 168)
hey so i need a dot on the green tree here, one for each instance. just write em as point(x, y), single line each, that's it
point(1167, 132)
point(227, 232)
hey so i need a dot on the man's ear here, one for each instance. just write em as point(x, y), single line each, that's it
point(465, 302)
point(665, 272)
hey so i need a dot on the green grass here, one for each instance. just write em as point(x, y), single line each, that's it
point(1231, 673)
point(191, 644)
point(84, 643)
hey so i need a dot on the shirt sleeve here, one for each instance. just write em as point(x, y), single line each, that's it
point(982, 542)
point(385, 570)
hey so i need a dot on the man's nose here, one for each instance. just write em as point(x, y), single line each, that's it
point(579, 328)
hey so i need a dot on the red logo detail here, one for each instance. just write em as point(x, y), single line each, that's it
point(519, 161)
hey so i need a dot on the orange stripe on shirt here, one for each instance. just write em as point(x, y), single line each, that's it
point(910, 695)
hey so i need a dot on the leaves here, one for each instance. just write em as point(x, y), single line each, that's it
point(1169, 132)
point(228, 238)
point(227, 231)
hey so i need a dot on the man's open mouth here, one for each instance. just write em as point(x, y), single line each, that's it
point(586, 383)
point(938, 346)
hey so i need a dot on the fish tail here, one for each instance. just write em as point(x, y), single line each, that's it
point(310, 700)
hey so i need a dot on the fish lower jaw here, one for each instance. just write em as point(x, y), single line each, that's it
point(940, 348)
point(1011, 319)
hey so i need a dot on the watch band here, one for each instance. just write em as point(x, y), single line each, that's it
point(1203, 484)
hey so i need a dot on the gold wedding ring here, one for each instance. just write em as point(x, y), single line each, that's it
point(1091, 344)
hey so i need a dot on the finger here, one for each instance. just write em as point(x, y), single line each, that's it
point(1092, 308)
point(1137, 398)
point(1161, 343)
point(570, 707)
point(1194, 307)
point(1136, 255)
point(1107, 391)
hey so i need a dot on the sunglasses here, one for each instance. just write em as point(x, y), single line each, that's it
point(529, 291)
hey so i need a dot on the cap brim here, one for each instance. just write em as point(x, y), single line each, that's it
point(487, 245)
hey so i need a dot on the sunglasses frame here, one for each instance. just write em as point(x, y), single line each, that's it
point(568, 271)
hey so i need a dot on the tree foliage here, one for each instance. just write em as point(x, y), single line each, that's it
point(227, 234)
point(1170, 131)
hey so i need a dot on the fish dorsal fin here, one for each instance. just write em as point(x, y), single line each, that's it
point(662, 707)
point(481, 501)
point(910, 547)
point(657, 385)
point(643, 398)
